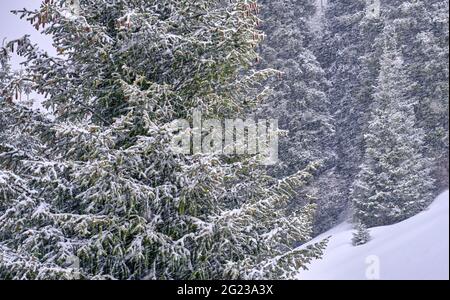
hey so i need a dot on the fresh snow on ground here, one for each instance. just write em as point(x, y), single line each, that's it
point(417, 248)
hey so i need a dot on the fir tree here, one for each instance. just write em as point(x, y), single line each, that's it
point(423, 32)
point(111, 192)
point(20, 149)
point(349, 54)
point(361, 236)
point(341, 50)
point(16, 130)
point(395, 179)
point(299, 101)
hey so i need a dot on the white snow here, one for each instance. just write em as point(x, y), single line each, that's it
point(415, 249)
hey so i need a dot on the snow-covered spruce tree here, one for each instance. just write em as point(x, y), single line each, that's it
point(11, 185)
point(16, 138)
point(20, 147)
point(349, 54)
point(115, 197)
point(361, 236)
point(423, 31)
point(299, 100)
point(395, 180)
point(21, 198)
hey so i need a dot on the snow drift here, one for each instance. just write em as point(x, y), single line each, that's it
point(415, 249)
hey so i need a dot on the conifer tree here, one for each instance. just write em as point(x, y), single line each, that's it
point(423, 32)
point(20, 149)
point(16, 130)
point(299, 101)
point(361, 236)
point(112, 194)
point(349, 53)
point(395, 180)
point(341, 51)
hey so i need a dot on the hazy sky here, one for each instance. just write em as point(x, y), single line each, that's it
point(12, 27)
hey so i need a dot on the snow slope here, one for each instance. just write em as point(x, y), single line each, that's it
point(417, 248)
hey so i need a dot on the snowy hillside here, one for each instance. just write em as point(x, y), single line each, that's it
point(414, 249)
